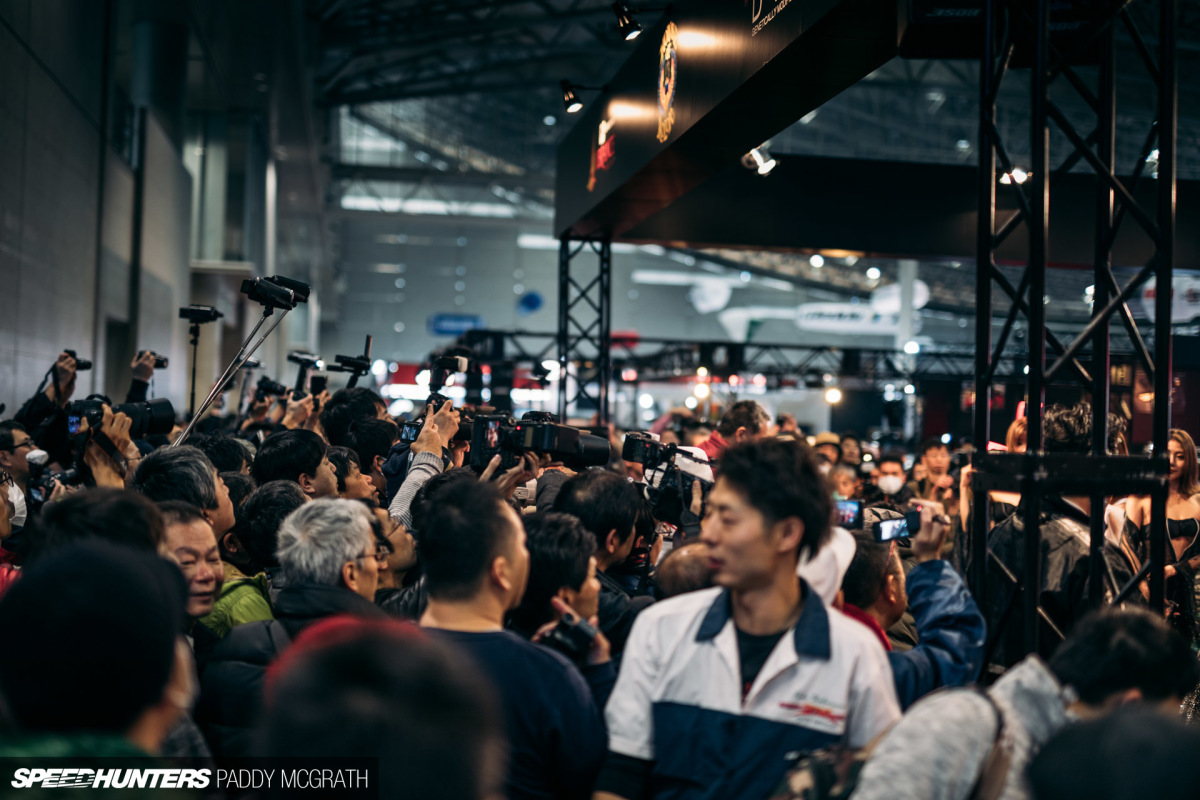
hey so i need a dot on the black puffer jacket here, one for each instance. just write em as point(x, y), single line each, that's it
point(407, 603)
point(231, 686)
point(1066, 562)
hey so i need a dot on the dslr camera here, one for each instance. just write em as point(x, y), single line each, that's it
point(411, 429)
point(268, 388)
point(81, 364)
point(670, 472)
point(509, 438)
point(160, 362)
point(572, 637)
point(198, 315)
point(151, 417)
point(439, 370)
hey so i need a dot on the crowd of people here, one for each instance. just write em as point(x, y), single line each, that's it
point(789, 619)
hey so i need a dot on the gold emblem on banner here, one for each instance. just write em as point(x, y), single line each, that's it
point(667, 63)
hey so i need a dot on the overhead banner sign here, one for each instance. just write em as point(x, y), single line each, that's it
point(711, 80)
point(454, 324)
point(1185, 298)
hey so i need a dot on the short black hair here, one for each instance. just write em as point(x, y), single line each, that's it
point(851, 435)
point(603, 502)
point(559, 552)
point(105, 619)
point(891, 457)
point(177, 512)
point(6, 433)
point(1068, 429)
point(287, 455)
point(115, 515)
point(425, 713)
point(868, 571)
point(781, 479)
point(177, 473)
point(342, 459)
point(225, 453)
point(464, 529)
point(259, 518)
point(1113, 650)
point(240, 485)
point(743, 414)
point(373, 437)
point(435, 484)
point(932, 444)
point(346, 407)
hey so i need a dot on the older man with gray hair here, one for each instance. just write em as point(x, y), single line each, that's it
point(330, 552)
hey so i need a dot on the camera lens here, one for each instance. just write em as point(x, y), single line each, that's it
point(152, 417)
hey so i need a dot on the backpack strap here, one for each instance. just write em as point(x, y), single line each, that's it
point(993, 772)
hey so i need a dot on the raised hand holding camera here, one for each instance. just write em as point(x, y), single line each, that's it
point(447, 419)
point(430, 439)
point(298, 410)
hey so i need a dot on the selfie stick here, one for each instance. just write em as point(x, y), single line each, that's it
point(272, 296)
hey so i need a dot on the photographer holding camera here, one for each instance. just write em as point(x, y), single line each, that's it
point(426, 458)
point(950, 627)
point(44, 414)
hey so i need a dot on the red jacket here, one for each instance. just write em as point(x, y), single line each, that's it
point(856, 613)
point(714, 446)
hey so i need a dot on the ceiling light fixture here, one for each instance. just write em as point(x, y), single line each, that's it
point(1017, 175)
point(759, 160)
point(629, 27)
point(571, 101)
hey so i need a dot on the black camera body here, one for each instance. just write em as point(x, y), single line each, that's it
point(410, 430)
point(91, 410)
point(670, 493)
point(198, 315)
point(160, 362)
point(81, 364)
point(276, 291)
point(509, 438)
point(41, 484)
point(148, 418)
point(572, 637)
point(268, 388)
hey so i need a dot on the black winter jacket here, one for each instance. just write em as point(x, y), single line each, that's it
point(1066, 560)
point(231, 686)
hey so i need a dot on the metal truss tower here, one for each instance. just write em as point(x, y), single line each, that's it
point(584, 327)
point(1024, 25)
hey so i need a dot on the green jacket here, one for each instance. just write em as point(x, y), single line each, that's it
point(242, 600)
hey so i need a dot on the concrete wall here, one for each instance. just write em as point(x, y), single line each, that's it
point(57, 289)
point(50, 67)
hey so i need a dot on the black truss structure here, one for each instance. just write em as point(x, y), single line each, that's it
point(666, 359)
point(584, 327)
point(1010, 24)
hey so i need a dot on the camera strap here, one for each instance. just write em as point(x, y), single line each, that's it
point(110, 449)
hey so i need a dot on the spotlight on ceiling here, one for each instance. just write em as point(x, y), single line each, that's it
point(571, 101)
point(629, 27)
point(1017, 175)
point(759, 160)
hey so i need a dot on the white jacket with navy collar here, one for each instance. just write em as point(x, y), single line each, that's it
point(678, 698)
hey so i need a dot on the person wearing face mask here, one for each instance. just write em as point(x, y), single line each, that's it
point(16, 448)
point(887, 487)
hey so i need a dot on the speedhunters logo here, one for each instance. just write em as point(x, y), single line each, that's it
point(69, 778)
point(344, 782)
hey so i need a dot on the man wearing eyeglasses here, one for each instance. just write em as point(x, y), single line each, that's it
point(15, 447)
point(331, 553)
